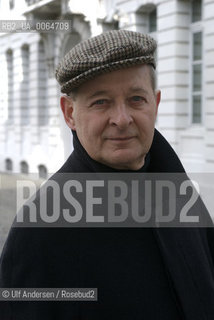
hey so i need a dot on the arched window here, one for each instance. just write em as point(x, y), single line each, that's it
point(25, 111)
point(8, 165)
point(43, 78)
point(196, 10)
point(146, 17)
point(11, 3)
point(196, 62)
point(42, 171)
point(152, 25)
point(10, 83)
point(24, 167)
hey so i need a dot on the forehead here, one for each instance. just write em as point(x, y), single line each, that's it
point(119, 80)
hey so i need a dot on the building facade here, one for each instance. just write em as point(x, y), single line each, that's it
point(33, 136)
point(184, 32)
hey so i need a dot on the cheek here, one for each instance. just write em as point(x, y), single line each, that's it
point(146, 122)
point(96, 126)
point(90, 129)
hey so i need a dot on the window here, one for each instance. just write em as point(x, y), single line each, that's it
point(196, 62)
point(42, 171)
point(43, 79)
point(197, 77)
point(11, 3)
point(196, 12)
point(24, 167)
point(8, 165)
point(153, 21)
point(146, 19)
point(25, 111)
point(10, 82)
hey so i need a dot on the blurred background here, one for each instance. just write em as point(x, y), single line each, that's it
point(33, 135)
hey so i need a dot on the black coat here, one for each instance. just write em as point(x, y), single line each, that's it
point(152, 273)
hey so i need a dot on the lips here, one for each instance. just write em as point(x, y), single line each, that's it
point(121, 138)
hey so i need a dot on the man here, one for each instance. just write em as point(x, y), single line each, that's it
point(110, 102)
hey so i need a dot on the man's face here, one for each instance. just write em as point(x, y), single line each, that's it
point(114, 116)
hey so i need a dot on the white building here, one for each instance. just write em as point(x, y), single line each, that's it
point(185, 35)
point(33, 136)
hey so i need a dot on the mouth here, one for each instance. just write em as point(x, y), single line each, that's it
point(121, 138)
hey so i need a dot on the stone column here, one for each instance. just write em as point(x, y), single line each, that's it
point(173, 64)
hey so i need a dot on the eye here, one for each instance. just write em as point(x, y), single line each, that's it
point(137, 99)
point(100, 102)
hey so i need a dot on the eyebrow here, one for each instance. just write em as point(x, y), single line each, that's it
point(138, 90)
point(97, 93)
point(131, 90)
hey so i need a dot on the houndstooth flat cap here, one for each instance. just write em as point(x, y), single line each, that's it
point(104, 53)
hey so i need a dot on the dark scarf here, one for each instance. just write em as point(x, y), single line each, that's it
point(185, 251)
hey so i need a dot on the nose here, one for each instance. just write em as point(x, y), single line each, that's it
point(120, 116)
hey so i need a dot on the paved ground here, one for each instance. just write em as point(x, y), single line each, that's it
point(8, 205)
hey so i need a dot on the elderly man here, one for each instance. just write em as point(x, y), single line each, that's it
point(110, 102)
point(114, 113)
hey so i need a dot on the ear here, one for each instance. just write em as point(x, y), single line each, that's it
point(67, 107)
point(157, 99)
